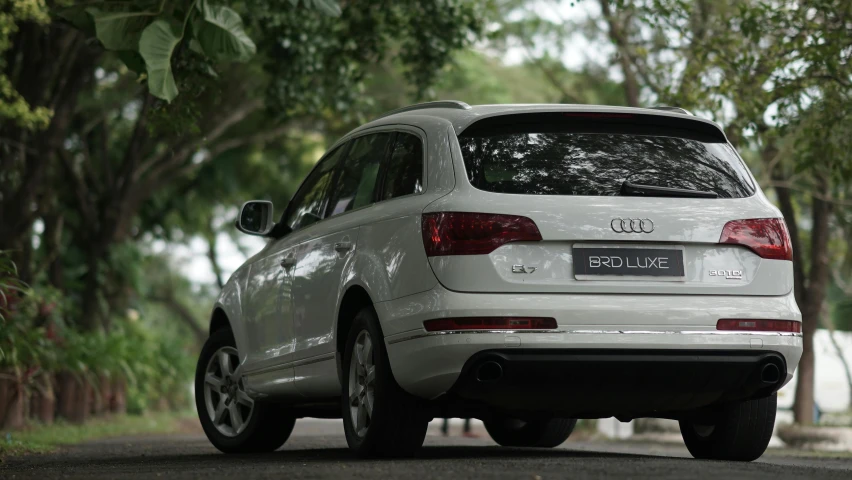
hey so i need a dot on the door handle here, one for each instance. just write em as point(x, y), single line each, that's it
point(288, 261)
point(343, 246)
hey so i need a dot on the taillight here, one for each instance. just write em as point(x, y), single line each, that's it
point(458, 233)
point(749, 325)
point(767, 237)
point(489, 323)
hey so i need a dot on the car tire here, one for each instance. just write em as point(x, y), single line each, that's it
point(510, 432)
point(379, 417)
point(267, 426)
point(739, 431)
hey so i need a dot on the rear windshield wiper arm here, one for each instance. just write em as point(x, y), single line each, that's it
point(636, 190)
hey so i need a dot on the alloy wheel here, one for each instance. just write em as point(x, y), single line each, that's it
point(362, 380)
point(228, 405)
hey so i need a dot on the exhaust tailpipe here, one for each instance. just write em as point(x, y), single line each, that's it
point(489, 371)
point(770, 374)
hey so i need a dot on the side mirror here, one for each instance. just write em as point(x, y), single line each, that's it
point(256, 218)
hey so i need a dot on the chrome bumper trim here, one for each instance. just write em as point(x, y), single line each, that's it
point(597, 332)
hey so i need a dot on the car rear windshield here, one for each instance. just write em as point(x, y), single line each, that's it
point(595, 154)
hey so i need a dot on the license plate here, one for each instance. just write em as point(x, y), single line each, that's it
point(628, 262)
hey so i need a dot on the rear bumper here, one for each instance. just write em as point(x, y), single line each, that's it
point(428, 364)
point(592, 383)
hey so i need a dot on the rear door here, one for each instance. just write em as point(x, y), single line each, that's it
point(322, 262)
point(623, 203)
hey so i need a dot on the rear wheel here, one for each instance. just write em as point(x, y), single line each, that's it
point(379, 418)
point(511, 432)
point(232, 421)
point(739, 431)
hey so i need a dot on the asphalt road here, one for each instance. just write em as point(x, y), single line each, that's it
point(317, 449)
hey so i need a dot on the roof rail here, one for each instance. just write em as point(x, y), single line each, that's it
point(672, 109)
point(454, 104)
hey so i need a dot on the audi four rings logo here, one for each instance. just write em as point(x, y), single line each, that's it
point(632, 225)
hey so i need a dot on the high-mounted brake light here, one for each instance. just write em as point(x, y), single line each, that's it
point(489, 323)
point(749, 325)
point(597, 115)
point(459, 233)
point(766, 237)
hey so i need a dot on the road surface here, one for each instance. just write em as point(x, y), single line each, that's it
point(317, 449)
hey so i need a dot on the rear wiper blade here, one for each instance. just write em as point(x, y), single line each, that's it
point(636, 190)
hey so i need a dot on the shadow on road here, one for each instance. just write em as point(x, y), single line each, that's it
point(182, 457)
point(96, 455)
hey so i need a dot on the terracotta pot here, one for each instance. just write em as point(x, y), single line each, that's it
point(72, 398)
point(104, 395)
point(5, 386)
point(118, 401)
point(91, 396)
point(12, 403)
point(43, 400)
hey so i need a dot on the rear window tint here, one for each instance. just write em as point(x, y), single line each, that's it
point(596, 156)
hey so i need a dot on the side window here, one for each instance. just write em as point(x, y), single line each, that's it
point(405, 167)
point(358, 172)
point(309, 203)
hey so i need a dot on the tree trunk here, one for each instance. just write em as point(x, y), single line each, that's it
point(172, 303)
point(618, 37)
point(91, 310)
point(212, 255)
point(52, 241)
point(814, 296)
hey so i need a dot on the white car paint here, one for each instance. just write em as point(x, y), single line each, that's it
point(284, 319)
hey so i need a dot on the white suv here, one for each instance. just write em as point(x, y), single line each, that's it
point(527, 265)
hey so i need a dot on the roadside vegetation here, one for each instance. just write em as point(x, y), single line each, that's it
point(38, 438)
point(132, 130)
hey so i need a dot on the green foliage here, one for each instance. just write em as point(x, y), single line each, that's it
point(13, 107)
point(156, 46)
point(154, 358)
point(328, 7)
point(42, 438)
point(220, 35)
point(158, 29)
point(317, 62)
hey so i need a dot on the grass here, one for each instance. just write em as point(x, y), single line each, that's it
point(43, 438)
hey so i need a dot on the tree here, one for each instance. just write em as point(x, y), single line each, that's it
point(112, 145)
point(777, 75)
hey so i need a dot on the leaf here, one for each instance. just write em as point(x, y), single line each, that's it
point(119, 30)
point(196, 47)
point(327, 7)
point(78, 17)
point(156, 45)
point(222, 36)
point(132, 60)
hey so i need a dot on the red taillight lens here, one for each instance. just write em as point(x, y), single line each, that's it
point(489, 323)
point(750, 325)
point(767, 237)
point(457, 233)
